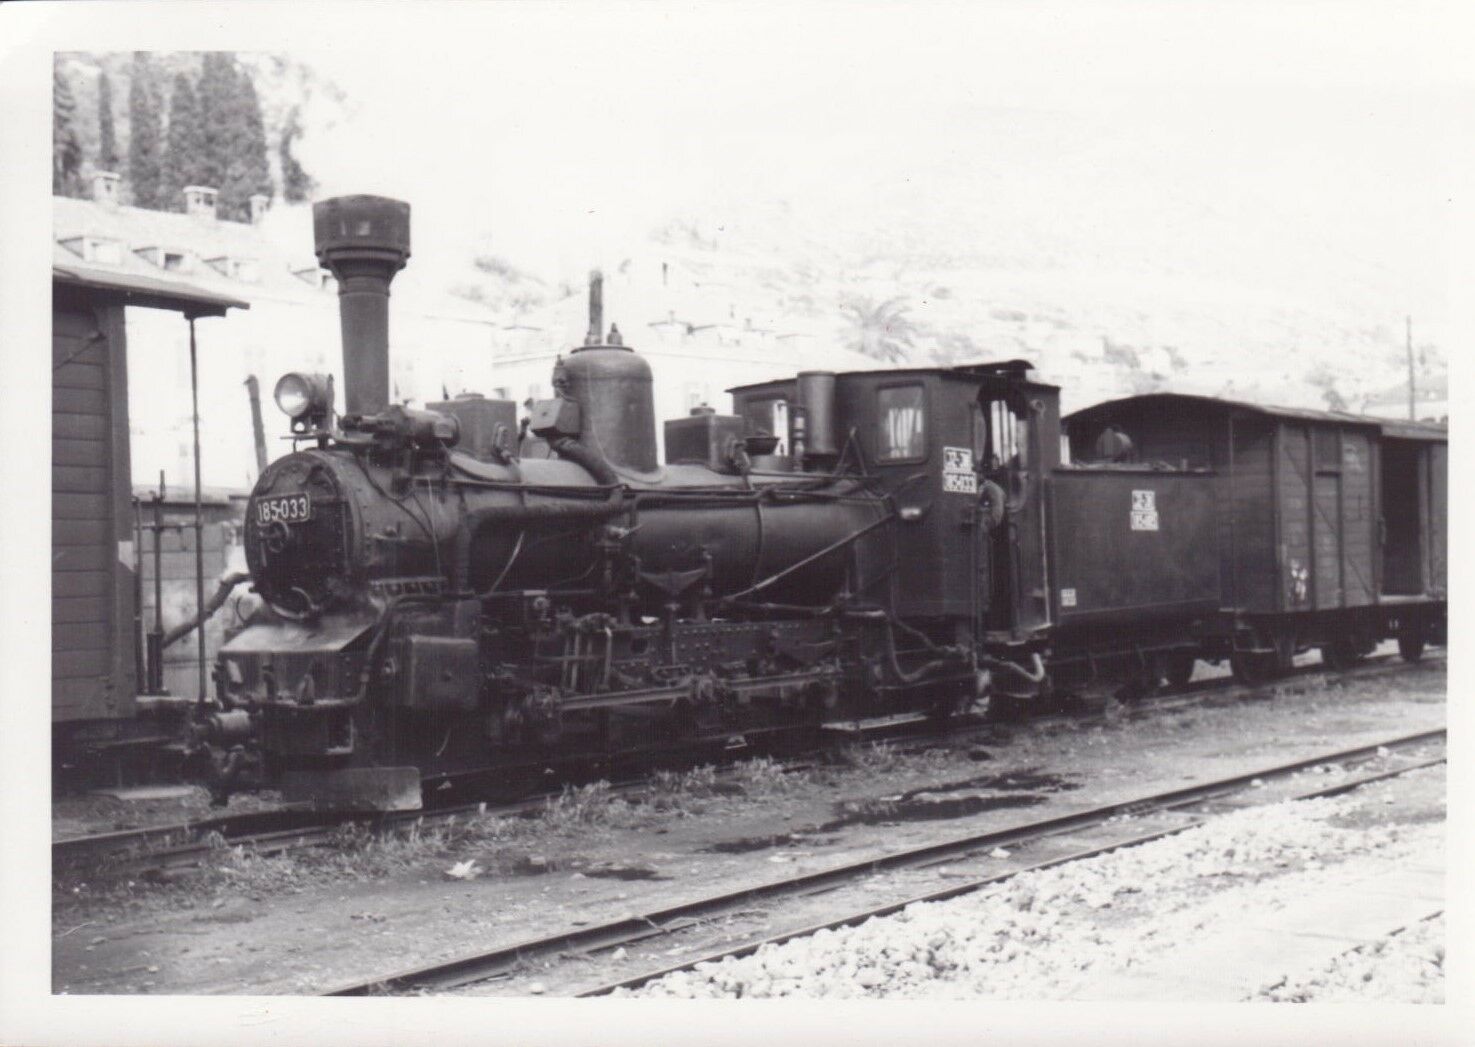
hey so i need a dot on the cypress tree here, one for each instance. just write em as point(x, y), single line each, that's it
point(185, 144)
point(107, 151)
point(66, 150)
point(247, 171)
point(217, 92)
point(297, 184)
point(143, 137)
point(256, 162)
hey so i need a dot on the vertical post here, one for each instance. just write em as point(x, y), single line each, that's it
point(194, 391)
point(140, 664)
point(258, 430)
point(1408, 335)
point(155, 641)
point(596, 309)
point(1230, 582)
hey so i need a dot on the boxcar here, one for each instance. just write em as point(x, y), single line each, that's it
point(1332, 529)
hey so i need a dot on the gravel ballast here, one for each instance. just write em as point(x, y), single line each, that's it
point(1051, 934)
point(1407, 967)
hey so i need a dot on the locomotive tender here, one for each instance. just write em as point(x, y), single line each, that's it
point(442, 588)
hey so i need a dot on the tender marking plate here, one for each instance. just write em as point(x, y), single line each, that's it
point(958, 476)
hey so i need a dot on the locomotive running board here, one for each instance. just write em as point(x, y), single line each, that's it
point(355, 789)
point(874, 725)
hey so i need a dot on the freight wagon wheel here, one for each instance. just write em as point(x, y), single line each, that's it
point(1252, 669)
point(1141, 681)
point(1178, 668)
point(1340, 655)
point(1411, 644)
point(1284, 658)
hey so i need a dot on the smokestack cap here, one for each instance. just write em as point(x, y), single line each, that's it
point(362, 228)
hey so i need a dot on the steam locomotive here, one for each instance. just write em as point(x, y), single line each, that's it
point(445, 588)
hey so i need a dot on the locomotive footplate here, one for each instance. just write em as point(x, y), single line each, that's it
point(780, 685)
point(355, 788)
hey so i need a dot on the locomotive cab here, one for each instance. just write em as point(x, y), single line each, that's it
point(963, 455)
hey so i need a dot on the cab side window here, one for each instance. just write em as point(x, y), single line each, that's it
point(901, 418)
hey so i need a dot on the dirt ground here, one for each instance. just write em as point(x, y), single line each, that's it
point(83, 814)
point(308, 921)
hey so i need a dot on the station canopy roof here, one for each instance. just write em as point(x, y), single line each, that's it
point(142, 289)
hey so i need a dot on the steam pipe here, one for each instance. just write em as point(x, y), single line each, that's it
point(224, 589)
point(926, 669)
point(596, 309)
point(593, 463)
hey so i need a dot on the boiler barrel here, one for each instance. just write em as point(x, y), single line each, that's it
point(749, 543)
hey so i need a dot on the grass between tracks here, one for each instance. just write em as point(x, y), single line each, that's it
point(538, 841)
point(569, 828)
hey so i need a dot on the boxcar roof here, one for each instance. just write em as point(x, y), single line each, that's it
point(1404, 429)
point(1148, 401)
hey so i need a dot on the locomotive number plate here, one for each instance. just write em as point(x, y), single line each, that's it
point(288, 508)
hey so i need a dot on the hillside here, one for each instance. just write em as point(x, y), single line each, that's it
point(1114, 267)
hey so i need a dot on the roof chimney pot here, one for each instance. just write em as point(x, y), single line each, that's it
point(199, 201)
point(105, 187)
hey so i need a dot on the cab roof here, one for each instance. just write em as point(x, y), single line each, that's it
point(993, 369)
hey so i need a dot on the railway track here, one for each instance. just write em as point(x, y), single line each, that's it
point(184, 845)
point(643, 930)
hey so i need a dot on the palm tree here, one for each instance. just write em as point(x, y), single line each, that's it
point(882, 331)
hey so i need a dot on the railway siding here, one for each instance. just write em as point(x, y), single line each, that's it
point(1219, 913)
point(326, 922)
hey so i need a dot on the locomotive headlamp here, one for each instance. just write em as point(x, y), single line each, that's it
point(305, 398)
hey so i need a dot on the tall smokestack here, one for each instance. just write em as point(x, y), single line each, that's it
point(364, 241)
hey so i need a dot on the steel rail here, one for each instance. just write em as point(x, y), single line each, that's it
point(663, 922)
point(891, 908)
point(185, 843)
point(80, 851)
point(267, 833)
